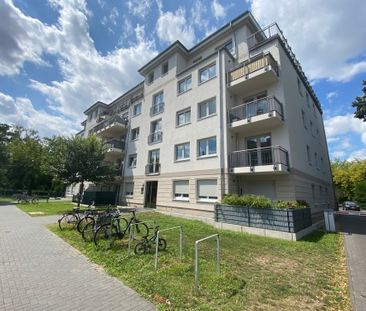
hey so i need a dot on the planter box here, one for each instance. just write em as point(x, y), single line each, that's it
point(285, 220)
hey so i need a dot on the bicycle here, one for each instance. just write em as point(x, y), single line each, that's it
point(148, 244)
point(70, 219)
point(106, 234)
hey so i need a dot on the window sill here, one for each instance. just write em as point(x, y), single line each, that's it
point(207, 201)
point(207, 117)
point(182, 160)
point(181, 200)
point(179, 94)
point(181, 125)
point(136, 115)
point(200, 83)
point(129, 196)
point(207, 156)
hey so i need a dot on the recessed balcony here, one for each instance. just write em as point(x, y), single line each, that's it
point(112, 127)
point(156, 137)
point(260, 70)
point(265, 112)
point(114, 149)
point(266, 160)
point(152, 169)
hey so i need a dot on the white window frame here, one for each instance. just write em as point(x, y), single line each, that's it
point(181, 196)
point(184, 81)
point(162, 68)
point(184, 152)
point(136, 129)
point(135, 162)
point(205, 199)
point(184, 111)
point(207, 109)
point(208, 154)
point(134, 107)
point(208, 67)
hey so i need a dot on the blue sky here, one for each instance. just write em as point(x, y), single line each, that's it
point(58, 57)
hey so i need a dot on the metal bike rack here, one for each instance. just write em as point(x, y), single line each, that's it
point(157, 243)
point(130, 238)
point(196, 256)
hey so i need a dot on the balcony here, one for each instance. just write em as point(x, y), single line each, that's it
point(156, 109)
point(265, 112)
point(114, 149)
point(152, 169)
point(154, 138)
point(112, 127)
point(264, 160)
point(261, 70)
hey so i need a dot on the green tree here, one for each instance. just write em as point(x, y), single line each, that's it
point(360, 104)
point(77, 159)
point(360, 193)
point(4, 159)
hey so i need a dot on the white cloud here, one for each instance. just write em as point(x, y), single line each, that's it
point(338, 154)
point(20, 111)
point(139, 8)
point(217, 9)
point(173, 26)
point(357, 155)
point(326, 36)
point(331, 96)
point(87, 76)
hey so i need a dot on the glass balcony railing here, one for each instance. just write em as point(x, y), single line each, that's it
point(116, 120)
point(155, 137)
point(152, 168)
point(115, 144)
point(156, 109)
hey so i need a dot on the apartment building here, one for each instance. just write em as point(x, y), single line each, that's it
point(233, 114)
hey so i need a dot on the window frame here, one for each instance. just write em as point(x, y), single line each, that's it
point(138, 135)
point(180, 198)
point(134, 155)
point(163, 67)
point(150, 77)
point(139, 104)
point(184, 151)
point(184, 80)
point(184, 111)
point(208, 155)
point(207, 67)
point(129, 195)
point(206, 102)
point(205, 200)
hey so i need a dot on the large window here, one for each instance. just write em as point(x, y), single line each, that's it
point(207, 190)
point(207, 147)
point(182, 152)
point(259, 150)
point(137, 109)
point(135, 133)
point(207, 108)
point(181, 190)
point(185, 84)
point(158, 103)
point(129, 189)
point(207, 73)
point(132, 160)
point(183, 117)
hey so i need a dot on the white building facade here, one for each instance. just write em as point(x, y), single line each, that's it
point(234, 114)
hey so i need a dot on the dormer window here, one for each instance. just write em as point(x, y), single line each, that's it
point(150, 77)
point(164, 68)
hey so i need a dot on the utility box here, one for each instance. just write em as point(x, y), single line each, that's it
point(329, 220)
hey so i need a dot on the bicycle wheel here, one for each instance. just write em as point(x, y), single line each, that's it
point(83, 222)
point(123, 223)
point(35, 200)
point(105, 236)
point(162, 244)
point(140, 248)
point(68, 222)
point(88, 232)
point(141, 230)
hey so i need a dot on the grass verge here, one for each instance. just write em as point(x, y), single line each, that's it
point(46, 209)
point(257, 273)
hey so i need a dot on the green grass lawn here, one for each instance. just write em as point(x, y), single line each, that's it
point(257, 273)
point(6, 199)
point(46, 209)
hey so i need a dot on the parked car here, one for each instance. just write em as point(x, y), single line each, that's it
point(352, 206)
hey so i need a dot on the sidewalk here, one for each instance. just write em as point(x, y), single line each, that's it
point(39, 271)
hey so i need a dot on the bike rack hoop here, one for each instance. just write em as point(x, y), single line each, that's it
point(131, 231)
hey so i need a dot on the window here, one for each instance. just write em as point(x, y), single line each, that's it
point(207, 108)
point(155, 132)
point(317, 134)
point(129, 189)
point(303, 118)
point(90, 116)
point(207, 73)
point(207, 147)
point(182, 152)
point(132, 160)
point(150, 77)
point(135, 133)
point(137, 109)
point(316, 160)
point(164, 68)
point(308, 154)
point(229, 45)
point(183, 117)
point(181, 190)
point(207, 190)
point(299, 86)
point(184, 85)
point(158, 103)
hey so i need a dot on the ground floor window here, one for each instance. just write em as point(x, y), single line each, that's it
point(129, 189)
point(207, 190)
point(181, 190)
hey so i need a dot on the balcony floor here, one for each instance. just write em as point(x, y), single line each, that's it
point(261, 169)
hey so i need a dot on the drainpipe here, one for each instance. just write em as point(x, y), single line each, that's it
point(222, 128)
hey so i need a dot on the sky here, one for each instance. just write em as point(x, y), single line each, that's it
point(58, 57)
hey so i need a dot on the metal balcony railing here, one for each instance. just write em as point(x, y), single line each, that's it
point(155, 137)
point(259, 156)
point(255, 108)
point(117, 144)
point(108, 122)
point(156, 109)
point(253, 65)
point(152, 168)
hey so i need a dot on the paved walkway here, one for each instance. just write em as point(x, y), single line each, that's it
point(354, 227)
point(39, 271)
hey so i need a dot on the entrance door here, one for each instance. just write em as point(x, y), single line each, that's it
point(151, 194)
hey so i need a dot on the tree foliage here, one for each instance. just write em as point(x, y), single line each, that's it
point(360, 104)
